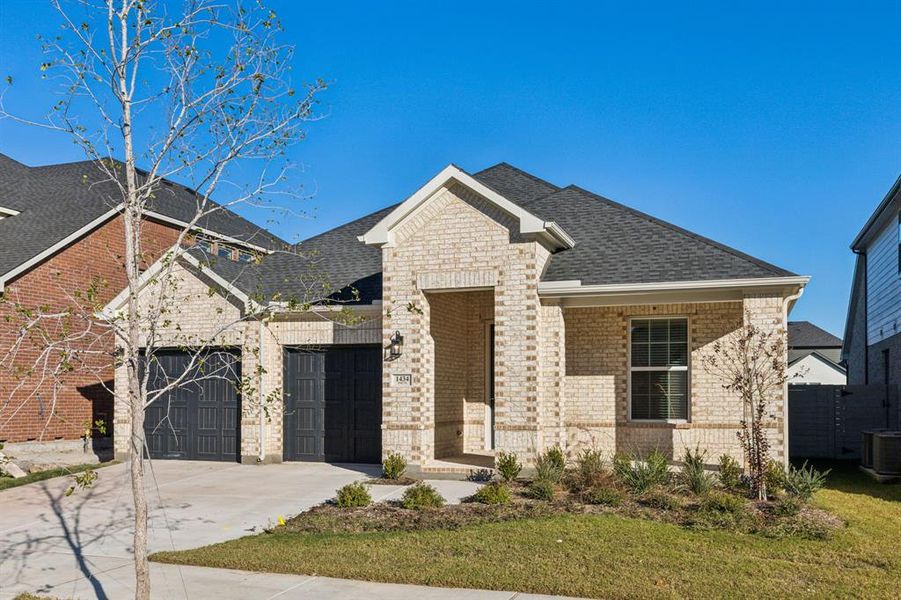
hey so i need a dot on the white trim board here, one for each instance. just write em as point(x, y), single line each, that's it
point(75, 235)
point(47, 252)
point(381, 234)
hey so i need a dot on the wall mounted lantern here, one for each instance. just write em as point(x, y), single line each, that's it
point(396, 347)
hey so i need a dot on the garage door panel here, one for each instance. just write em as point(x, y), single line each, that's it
point(200, 418)
point(342, 386)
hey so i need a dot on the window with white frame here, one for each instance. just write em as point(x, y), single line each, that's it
point(658, 369)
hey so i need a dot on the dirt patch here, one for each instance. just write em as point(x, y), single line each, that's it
point(399, 481)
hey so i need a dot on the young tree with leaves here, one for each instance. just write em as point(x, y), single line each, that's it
point(751, 362)
point(201, 94)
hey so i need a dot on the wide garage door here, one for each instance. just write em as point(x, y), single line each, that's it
point(333, 404)
point(200, 418)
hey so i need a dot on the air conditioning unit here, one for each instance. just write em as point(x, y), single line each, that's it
point(866, 447)
point(887, 452)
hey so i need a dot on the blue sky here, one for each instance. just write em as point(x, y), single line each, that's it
point(772, 127)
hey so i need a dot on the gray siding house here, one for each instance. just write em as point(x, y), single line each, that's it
point(872, 345)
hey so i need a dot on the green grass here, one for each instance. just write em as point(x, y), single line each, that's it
point(605, 556)
point(9, 482)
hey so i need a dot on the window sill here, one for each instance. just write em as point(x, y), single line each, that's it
point(660, 423)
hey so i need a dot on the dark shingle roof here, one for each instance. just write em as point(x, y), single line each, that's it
point(614, 244)
point(514, 184)
point(617, 244)
point(804, 334)
point(58, 200)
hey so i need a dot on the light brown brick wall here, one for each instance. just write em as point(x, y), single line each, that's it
point(30, 412)
point(457, 240)
point(596, 381)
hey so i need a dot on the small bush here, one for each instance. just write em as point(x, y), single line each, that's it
point(607, 496)
point(730, 472)
point(723, 502)
point(481, 475)
point(507, 465)
point(550, 464)
point(493, 493)
point(589, 472)
point(640, 475)
point(353, 495)
point(804, 481)
point(694, 476)
point(788, 507)
point(774, 477)
point(394, 466)
point(541, 489)
point(421, 496)
point(660, 499)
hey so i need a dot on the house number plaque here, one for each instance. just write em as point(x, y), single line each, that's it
point(403, 379)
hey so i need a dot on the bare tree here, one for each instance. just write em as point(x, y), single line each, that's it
point(751, 363)
point(202, 95)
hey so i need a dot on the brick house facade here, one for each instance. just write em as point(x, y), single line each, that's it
point(503, 349)
point(61, 232)
point(31, 415)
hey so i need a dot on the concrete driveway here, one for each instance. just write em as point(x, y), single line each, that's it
point(80, 546)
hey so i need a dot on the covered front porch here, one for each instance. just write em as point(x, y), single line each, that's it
point(463, 337)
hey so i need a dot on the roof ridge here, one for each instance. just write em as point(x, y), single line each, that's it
point(706, 240)
point(520, 171)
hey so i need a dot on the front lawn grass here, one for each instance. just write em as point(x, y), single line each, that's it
point(604, 555)
point(10, 482)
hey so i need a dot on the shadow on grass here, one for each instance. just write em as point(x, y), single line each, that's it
point(846, 476)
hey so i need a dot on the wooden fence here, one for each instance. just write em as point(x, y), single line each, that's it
point(826, 421)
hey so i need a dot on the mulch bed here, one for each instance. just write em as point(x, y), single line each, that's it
point(678, 509)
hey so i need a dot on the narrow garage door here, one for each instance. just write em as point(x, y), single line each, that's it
point(199, 419)
point(333, 404)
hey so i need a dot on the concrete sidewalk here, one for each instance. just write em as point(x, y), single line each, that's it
point(183, 583)
point(79, 546)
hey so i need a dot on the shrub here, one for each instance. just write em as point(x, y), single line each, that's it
point(394, 466)
point(493, 493)
point(723, 502)
point(541, 489)
point(550, 464)
point(730, 472)
point(640, 475)
point(774, 477)
point(660, 499)
point(788, 507)
point(507, 465)
point(589, 471)
point(481, 475)
point(421, 496)
point(607, 496)
point(804, 481)
point(353, 495)
point(694, 476)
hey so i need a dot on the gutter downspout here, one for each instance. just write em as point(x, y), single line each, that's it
point(262, 454)
point(785, 308)
point(866, 318)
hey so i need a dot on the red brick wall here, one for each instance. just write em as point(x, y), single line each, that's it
point(50, 284)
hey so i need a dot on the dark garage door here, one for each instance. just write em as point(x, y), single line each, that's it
point(200, 419)
point(333, 404)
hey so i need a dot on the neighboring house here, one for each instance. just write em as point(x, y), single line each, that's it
point(500, 312)
point(814, 355)
point(61, 229)
point(872, 346)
